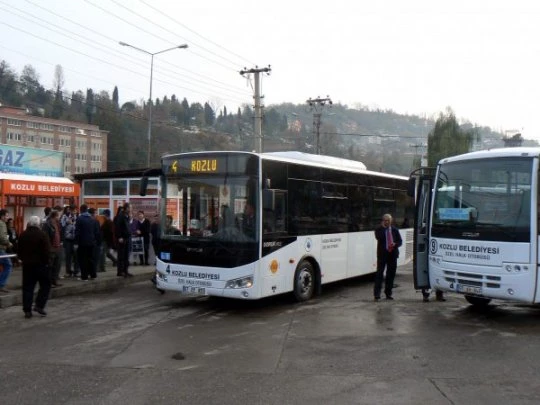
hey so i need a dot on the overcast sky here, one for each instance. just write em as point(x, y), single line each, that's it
point(482, 59)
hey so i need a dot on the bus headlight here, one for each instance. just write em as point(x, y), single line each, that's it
point(244, 282)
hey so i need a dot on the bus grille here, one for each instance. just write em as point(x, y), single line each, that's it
point(472, 279)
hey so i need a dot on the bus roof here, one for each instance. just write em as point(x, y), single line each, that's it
point(494, 153)
point(308, 159)
point(329, 162)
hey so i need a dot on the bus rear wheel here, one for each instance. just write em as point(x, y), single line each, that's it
point(304, 281)
point(477, 301)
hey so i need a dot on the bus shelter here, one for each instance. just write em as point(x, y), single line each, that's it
point(26, 195)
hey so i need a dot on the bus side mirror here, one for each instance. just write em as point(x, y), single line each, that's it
point(411, 187)
point(144, 179)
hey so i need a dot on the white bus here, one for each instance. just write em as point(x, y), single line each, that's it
point(247, 225)
point(476, 230)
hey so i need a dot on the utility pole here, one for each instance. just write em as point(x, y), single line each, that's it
point(317, 105)
point(417, 146)
point(257, 142)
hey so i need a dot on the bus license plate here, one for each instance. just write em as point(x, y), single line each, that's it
point(469, 289)
point(193, 290)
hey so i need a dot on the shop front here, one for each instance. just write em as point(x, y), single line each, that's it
point(26, 195)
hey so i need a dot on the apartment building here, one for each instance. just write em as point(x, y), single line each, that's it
point(84, 145)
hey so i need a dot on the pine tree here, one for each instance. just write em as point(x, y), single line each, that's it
point(447, 138)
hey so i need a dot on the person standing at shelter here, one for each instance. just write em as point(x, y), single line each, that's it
point(143, 230)
point(86, 236)
point(5, 245)
point(13, 239)
point(107, 240)
point(34, 252)
point(52, 229)
point(97, 247)
point(123, 240)
point(67, 221)
point(46, 213)
point(388, 243)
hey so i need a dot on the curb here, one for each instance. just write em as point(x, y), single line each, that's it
point(77, 288)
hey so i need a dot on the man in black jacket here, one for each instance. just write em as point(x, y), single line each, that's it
point(87, 237)
point(123, 241)
point(388, 243)
point(34, 250)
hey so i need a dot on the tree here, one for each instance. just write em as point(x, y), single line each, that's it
point(9, 93)
point(209, 115)
point(447, 138)
point(32, 90)
point(90, 106)
point(186, 112)
point(58, 104)
point(115, 98)
point(58, 81)
point(196, 112)
point(29, 81)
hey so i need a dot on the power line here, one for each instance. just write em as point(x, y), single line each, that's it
point(129, 55)
point(153, 34)
point(169, 31)
point(65, 68)
point(194, 32)
point(104, 61)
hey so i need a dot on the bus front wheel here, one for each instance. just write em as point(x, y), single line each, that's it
point(477, 301)
point(304, 281)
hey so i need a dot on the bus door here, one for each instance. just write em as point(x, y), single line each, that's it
point(423, 192)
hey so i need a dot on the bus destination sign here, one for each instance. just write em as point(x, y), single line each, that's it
point(204, 165)
point(210, 164)
point(194, 166)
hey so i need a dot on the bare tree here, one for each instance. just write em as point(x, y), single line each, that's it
point(58, 81)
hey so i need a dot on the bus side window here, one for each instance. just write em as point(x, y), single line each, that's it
point(275, 211)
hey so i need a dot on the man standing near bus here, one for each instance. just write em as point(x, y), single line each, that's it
point(388, 243)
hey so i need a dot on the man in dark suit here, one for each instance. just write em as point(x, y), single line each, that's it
point(388, 243)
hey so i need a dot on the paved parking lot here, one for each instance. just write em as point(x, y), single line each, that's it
point(133, 345)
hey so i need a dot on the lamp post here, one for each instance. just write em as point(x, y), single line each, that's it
point(184, 46)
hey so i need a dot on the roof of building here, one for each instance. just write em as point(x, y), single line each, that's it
point(111, 174)
point(29, 177)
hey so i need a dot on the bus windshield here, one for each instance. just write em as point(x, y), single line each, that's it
point(218, 207)
point(484, 199)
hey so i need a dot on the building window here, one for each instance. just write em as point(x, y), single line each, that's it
point(30, 138)
point(96, 187)
point(14, 122)
point(47, 127)
point(119, 187)
point(30, 124)
point(13, 136)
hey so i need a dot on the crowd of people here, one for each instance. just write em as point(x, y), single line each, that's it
point(74, 239)
point(79, 241)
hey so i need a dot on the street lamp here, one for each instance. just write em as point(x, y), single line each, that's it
point(184, 46)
